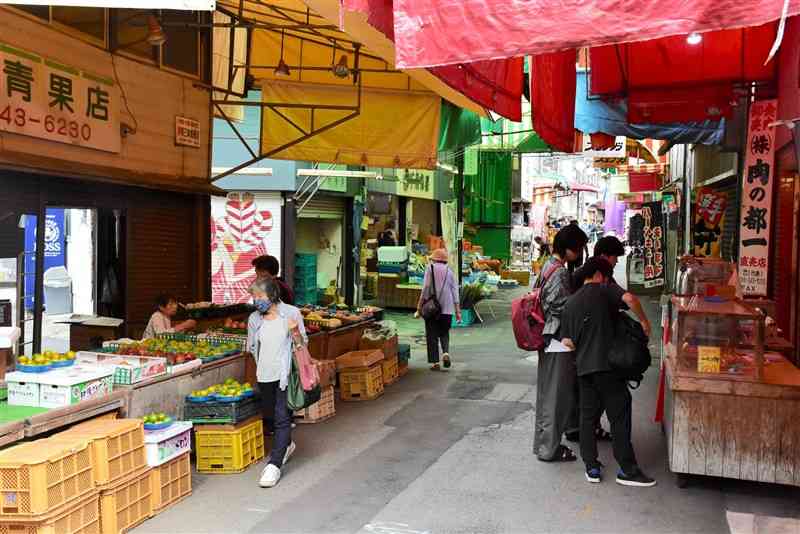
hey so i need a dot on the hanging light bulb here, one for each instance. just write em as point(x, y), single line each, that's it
point(694, 38)
point(155, 33)
point(341, 70)
point(282, 69)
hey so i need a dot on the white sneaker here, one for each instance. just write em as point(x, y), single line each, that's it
point(269, 476)
point(289, 452)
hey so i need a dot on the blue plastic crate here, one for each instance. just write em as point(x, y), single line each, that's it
point(467, 318)
point(308, 296)
point(305, 260)
point(304, 270)
point(305, 282)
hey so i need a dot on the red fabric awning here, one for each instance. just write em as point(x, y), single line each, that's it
point(722, 56)
point(680, 104)
point(495, 84)
point(553, 99)
point(432, 33)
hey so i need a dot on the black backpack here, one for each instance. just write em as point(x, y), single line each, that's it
point(629, 355)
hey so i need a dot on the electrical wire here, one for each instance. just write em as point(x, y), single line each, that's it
point(123, 94)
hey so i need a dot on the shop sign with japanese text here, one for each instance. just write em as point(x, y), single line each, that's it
point(756, 208)
point(655, 274)
point(709, 219)
point(416, 183)
point(44, 98)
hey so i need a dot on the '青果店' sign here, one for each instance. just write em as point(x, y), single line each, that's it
point(44, 98)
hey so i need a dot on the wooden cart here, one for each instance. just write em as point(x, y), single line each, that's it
point(722, 419)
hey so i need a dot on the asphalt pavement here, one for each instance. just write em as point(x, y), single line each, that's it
point(447, 453)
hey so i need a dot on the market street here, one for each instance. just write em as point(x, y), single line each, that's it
point(451, 453)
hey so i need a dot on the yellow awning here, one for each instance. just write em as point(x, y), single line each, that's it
point(393, 128)
point(321, 25)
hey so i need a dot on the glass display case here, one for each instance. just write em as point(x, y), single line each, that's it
point(694, 274)
point(715, 338)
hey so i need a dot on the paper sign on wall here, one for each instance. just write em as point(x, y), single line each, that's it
point(756, 210)
point(708, 222)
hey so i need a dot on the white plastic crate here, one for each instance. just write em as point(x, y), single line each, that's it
point(164, 445)
point(392, 254)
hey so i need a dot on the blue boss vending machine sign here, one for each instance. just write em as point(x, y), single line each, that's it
point(54, 248)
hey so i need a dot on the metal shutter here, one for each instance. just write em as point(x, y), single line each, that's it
point(321, 207)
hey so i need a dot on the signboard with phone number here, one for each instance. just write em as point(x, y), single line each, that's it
point(44, 98)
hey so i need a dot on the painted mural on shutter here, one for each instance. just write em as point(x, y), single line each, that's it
point(243, 227)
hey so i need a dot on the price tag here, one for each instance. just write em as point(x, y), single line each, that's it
point(709, 359)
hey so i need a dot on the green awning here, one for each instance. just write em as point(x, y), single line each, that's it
point(513, 136)
point(458, 128)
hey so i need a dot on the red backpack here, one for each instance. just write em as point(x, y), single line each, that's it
point(527, 316)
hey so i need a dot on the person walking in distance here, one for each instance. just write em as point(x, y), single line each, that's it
point(556, 411)
point(587, 327)
point(440, 285)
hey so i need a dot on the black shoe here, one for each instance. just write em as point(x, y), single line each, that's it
point(637, 479)
point(594, 474)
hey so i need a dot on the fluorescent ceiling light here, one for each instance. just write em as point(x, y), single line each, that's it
point(339, 174)
point(249, 171)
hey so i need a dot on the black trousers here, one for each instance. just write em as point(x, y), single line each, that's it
point(276, 411)
point(606, 391)
point(437, 331)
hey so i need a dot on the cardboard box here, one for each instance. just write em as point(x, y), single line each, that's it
point(127, 369)
point(22, 393)
point(327, 372)
point(358, 358)
point(164, 445)
point(66, 386)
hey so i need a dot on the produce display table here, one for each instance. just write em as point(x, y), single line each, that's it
point(167, 393)
point(344, 339)
point(732, 428)
point(393, 293)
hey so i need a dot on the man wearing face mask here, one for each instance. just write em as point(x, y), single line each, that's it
point(271, 331)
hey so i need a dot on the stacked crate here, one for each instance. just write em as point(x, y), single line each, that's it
point(360, 375)
point(229, 448)
point(121, 473)
point(305, 279)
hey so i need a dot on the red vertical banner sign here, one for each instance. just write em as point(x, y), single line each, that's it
point(757, 188)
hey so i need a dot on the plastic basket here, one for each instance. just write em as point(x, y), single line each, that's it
point(403, 352)
point(305, 282)
point(229, 451)
point(83, 518)
point(309, 296)
point(171, 482)
point(117, 447)
point(40, 476)
point(305, 260)
point(389, 370)
point(362, 383)
point(127, 504)
point(323, 409)
point(467, 318)
point(222, 412)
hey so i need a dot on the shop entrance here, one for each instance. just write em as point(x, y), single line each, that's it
point(79, 275)
point(321, 235)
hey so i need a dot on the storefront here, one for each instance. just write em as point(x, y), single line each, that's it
point(83, 153)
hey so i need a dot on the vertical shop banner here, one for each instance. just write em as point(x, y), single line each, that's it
point(757, 187)
point(654, 245)
point(243, 227)
point(709, 220)
point(44, 98)
point(55, 248)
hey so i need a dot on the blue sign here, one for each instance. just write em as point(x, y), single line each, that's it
point(55, 248)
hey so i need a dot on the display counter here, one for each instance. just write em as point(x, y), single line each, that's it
point(732, 428)
point(167, 393)
point(730, 409)
point(394, 292)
